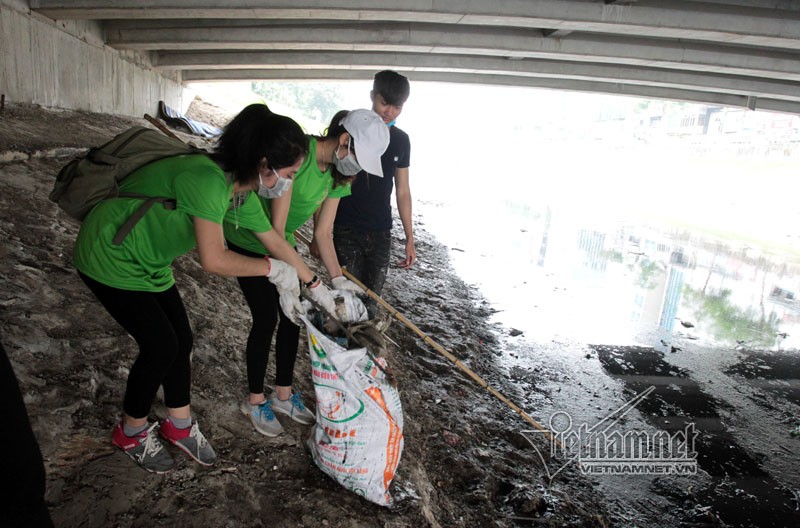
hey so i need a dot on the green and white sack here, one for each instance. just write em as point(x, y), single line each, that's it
point(358, 436)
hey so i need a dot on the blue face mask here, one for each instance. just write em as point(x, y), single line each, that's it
point(347, 166)
point(281, 186)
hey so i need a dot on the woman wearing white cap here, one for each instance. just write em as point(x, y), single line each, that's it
point(354, 141)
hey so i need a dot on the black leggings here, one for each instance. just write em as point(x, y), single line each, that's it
point(160, 326)
point(262, 298)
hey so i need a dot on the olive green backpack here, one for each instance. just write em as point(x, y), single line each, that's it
point(87, 180)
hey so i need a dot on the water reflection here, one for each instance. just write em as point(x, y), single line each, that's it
point(552, 273)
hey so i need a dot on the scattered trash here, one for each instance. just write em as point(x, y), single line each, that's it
point(177, 120)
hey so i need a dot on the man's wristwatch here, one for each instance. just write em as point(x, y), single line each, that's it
point(310, 283)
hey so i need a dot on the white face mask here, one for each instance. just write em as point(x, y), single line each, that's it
point(347, 166)
point(281, 186)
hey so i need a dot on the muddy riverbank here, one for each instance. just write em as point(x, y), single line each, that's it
point(467, 461)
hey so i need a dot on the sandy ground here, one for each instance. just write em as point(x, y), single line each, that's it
point(466, 461)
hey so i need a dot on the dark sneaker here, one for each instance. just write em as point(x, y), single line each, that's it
point(294, 409)
point(262, 417)
point(144, 448)
point(190, 440)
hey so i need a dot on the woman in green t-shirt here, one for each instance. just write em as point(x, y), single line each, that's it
point(133, 280)
point(354, 140)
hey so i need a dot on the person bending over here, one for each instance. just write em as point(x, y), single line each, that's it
point(353, 140)
point(134, 280)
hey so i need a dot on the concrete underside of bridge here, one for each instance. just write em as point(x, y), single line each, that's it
point(66, 65)
point(122, 57)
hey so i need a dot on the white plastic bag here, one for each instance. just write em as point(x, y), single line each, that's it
point(349, 308)
point(358, 437)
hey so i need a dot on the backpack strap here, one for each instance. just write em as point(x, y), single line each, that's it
point(149, 201)
point(103, 158)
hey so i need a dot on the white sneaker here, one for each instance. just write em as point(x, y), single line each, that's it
point(294, 409)
point(262, 417)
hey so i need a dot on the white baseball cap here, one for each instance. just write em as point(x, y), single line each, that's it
point(371, 137)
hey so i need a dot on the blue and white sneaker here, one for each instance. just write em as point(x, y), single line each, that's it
point(294, 409)
point(262, 417)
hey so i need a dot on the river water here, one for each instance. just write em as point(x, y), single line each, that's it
point(627, 246)
point(622, 270)
point(628, 268)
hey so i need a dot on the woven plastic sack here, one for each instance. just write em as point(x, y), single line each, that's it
point(358, 437)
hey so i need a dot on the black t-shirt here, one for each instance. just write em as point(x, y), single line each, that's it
point(369, 206)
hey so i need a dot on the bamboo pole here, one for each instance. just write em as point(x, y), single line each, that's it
point(161, 126)
point(436, 346)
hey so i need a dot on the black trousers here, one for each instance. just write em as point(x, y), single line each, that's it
point(22, 476)
point(365, 254)
point(160, 326)
point(262, 298)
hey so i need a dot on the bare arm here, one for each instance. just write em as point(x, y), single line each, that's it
point(313, 249)
point(279, 248)
point(279, 211)
point(323, 235)
point(216, 258)
point(403, 196)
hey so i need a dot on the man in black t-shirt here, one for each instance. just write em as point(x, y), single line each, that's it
point(362, 230)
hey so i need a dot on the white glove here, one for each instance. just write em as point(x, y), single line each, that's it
point(321, 295)
point(291, 306)
point(342, 283)
point(284, 277)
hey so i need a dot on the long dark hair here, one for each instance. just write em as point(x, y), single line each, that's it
point(256, 132)
point(334, 130)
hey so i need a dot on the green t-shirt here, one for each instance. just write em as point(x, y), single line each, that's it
point(142, 262)
point(310, 188)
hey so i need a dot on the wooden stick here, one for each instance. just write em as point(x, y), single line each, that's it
point(161, 126)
